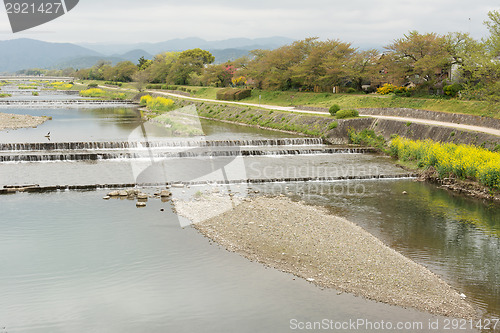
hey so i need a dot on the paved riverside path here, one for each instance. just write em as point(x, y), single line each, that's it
point(487, 130)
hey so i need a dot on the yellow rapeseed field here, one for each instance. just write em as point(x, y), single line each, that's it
point(449, 159)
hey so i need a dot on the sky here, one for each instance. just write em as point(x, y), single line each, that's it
point(364, 23)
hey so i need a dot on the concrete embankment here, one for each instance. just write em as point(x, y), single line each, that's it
point(322, 125)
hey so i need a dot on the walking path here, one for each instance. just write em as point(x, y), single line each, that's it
point(402, 119)
point(487, 130)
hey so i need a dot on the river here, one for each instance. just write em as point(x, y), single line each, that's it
point(72, 262)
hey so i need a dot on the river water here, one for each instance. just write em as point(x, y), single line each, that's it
point(72, 262)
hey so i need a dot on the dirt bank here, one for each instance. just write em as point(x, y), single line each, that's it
point(15, 121)
point(326, 250)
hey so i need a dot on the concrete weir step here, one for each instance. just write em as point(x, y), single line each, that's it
point(63, 101)
point(11, 189)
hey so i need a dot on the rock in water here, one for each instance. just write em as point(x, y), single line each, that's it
point(140, 204)
point(142, 196)
point(113, 194)
point(107, 197)
point(123, 193)
point(165, 193)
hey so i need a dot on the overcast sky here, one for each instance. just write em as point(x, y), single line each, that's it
point(362, 22)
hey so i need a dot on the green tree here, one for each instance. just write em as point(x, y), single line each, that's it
point(124, 71)
point(422, 58)
point(143, 63)
point(493, 25)
point(198, 56)
point(189, 64)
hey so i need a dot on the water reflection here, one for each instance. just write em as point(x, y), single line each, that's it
point(454, 236)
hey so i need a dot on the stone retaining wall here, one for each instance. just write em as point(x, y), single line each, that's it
point(455, 118)
point(339, 135)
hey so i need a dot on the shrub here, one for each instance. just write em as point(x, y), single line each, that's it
point(113, 83)
point(462, 161)
point(153, 86)
point(452, 90)
point(230, 94)
point(351, 91)
point(402, 92)
point(342, 114)
point(366, 137)
point(333, 125)
point(96, 92)
point(386, 89)
point(145, 100)
point(334, 109)
point(92, 85)
point(35, 93)
point(157, 103)
point(92, 92)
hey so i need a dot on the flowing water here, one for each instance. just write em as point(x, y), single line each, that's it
point(72, 262)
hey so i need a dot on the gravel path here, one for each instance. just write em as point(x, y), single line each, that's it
point(15, 121)
point(324, 249)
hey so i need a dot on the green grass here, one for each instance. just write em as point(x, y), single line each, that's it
point(5, 95)
point(367, 137)
point(350, 101)
point(354, 101)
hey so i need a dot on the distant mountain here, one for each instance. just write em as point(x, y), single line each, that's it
point(84, 62)
point(190, 43)
point(29, 53)
point(134, 55)
point(222, 56)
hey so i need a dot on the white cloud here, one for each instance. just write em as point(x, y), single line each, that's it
point(358, 21)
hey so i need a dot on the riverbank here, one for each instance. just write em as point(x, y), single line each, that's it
point(16, 121)
point(326, 250)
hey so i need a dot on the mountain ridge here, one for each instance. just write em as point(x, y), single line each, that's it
point(25, 53)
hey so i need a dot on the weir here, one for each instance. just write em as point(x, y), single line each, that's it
point(63, 101)
point(156, 144)
point(189, 153)
point(11, 189)
point(94, 151)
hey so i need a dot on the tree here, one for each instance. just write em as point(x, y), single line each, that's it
point(198, 55)
point(140, 78)
point(493, 25)
point(124, 71)
point(189, 63)
point(327, 64)
point(422, 59)
point(143, 63)
point(218, 75)
point(363, 67)
point(161, 66)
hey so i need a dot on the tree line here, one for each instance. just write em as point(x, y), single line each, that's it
point(423, 62)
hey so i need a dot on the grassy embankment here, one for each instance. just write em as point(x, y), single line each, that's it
point(347, 101)
point(352, 101)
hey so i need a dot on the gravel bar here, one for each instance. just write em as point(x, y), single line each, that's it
point(15, 121)
point(324, 249)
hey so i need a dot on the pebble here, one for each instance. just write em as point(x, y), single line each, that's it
point(318, 241)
